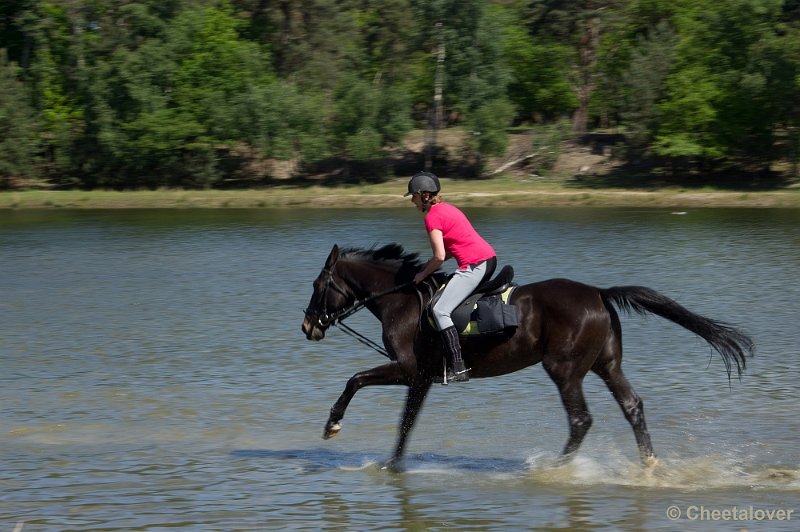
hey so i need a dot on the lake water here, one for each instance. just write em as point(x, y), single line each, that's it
point(154, 375)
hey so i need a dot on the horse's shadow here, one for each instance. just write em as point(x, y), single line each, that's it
point(319, 459)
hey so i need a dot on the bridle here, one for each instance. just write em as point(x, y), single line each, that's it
point(324, 319)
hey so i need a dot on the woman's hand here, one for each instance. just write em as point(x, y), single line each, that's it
point(429, 268)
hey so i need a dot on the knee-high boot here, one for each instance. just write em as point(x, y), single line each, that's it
point(456, 372)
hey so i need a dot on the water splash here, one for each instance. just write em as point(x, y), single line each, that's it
point(713, 471)
point(686, 474)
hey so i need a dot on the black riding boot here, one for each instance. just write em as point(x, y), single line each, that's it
point(456, 372)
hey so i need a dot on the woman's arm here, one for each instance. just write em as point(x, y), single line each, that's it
point(439, 256)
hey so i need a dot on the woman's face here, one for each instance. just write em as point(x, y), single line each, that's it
point(416, 199)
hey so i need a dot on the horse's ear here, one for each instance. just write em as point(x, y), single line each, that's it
point(333, 257)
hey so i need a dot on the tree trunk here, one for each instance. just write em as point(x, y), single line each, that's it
point(437, 115)
point(589, 44)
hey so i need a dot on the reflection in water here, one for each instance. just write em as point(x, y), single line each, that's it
point(154, 375)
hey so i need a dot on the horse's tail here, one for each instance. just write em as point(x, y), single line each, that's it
point(733, 345)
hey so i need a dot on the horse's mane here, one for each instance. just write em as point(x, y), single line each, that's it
point(391, 254)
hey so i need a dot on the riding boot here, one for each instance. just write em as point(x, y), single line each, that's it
point(456, 372)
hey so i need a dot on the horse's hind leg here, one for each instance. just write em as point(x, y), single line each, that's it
point(608, 368)
point(580, 420)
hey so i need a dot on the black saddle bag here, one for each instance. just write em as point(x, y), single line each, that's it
point(494, 316)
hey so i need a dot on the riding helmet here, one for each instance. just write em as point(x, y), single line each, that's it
point(423, 182)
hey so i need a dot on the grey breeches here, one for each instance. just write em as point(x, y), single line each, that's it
point(460, 286)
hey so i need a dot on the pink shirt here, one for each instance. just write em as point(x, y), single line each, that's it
point(460, 238)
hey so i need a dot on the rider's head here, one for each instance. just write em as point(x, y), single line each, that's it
point(426, 184)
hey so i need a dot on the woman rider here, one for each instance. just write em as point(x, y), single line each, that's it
point(451, 235)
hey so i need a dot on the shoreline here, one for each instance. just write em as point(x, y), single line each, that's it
point(502, 193)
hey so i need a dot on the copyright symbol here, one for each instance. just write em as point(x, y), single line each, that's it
point(673, 513)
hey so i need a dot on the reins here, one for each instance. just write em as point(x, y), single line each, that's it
point(339, 316)
point(336, 318)
point(363, 339)
point(362, 303)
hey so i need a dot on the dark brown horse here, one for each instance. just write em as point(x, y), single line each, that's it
point(571, 328)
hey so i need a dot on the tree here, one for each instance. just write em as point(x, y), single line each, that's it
point(581, 26)
point(717, 105)
point(312, 42)
point(487, 128)
point(540, 86)
point(387, 31)
point(637, 54)
point(13, 35)
point(174, 92)
point(367, 118)
point(642, 85)
point(476, 75)
point(284, 122)
point(19, 143)
point(171, 105)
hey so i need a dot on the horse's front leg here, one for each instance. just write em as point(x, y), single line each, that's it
point(386, 374)
point(416, 397)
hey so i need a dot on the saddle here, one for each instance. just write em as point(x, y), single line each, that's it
point(486, 310)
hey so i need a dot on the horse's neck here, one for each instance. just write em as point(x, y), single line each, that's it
point(367, 281)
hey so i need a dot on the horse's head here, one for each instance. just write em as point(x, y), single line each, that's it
point(331, 294)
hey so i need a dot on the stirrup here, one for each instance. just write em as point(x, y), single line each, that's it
point(449, 375)
point(458, 376)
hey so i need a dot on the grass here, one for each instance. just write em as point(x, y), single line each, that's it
point(499, 192)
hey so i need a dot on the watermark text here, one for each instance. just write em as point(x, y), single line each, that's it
point(729, 513)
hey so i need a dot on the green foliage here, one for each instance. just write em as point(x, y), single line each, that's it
point(642, 84)
point(487, 126)
point(546, 143)
point(394, 120)
point(715, 99)
point(176, 101)
point(540, 85)
point(212, 66)
point(282, 121)
point(472, 34)
point(154, 93)
point(367, 119)
point(689, 115)
point(18, 127)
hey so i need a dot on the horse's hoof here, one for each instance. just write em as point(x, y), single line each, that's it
point(650, 461)
point(331, 430)
point(393, 466)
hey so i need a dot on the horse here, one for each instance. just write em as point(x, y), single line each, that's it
point(570, 327)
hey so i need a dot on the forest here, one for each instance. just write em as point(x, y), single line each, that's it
point(130, 94)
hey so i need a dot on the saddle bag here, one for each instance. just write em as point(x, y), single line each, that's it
point(482, 314)
point(495, 316)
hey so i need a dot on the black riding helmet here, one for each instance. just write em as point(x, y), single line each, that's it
point(423, 182)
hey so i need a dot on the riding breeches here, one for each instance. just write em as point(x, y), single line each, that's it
point(458, 288)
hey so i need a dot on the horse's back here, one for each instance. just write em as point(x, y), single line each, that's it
point(562, 305)
point(558, 318)
point(559, 292)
